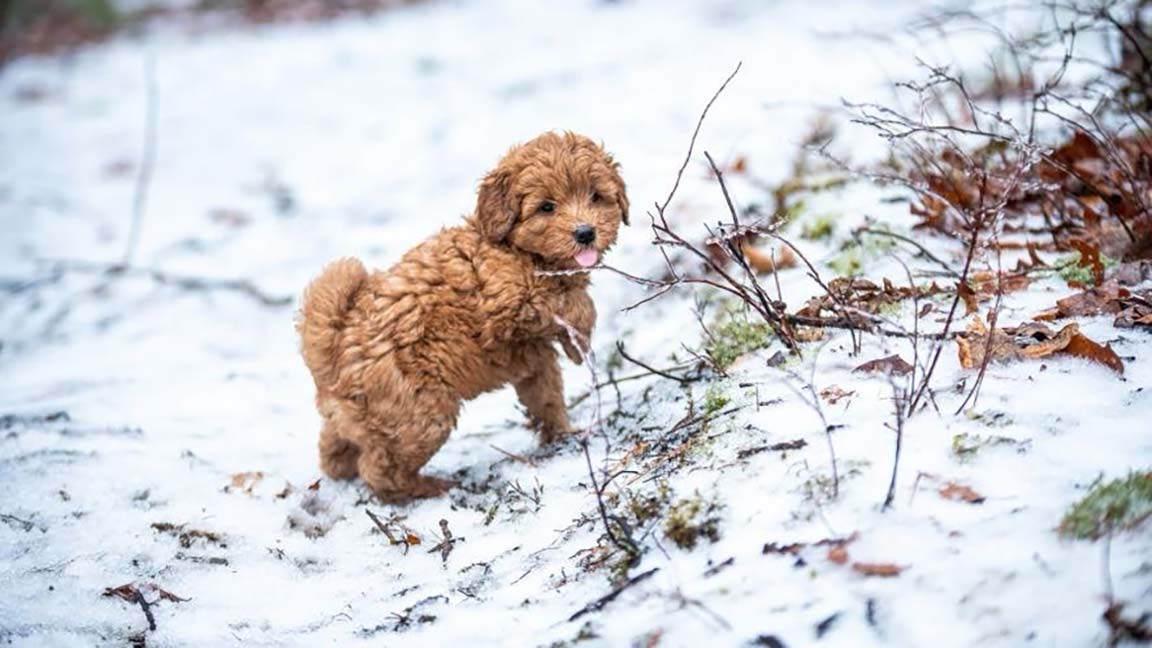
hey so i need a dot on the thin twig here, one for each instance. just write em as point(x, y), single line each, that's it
point(598, 604)
point(147, 160)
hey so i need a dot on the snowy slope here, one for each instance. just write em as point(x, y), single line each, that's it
point(131, 403)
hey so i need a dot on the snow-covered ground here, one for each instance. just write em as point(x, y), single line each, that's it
point(130, 403)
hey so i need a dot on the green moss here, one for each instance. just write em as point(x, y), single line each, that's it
point(691, 519)
point(848, 263)
point(965, 446)
point(790, 213)
point(819, 228)
point(1119, 505)
point(1069, 269)
point(645, 508)
point(735, 337)
point(715, 398)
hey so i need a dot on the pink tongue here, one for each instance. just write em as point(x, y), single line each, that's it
point(587, 258)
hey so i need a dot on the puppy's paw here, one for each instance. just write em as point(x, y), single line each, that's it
point(556, 434)
point(427, 486)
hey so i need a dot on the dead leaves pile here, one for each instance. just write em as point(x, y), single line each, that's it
point(857, 294)
point(1130, 309)
point(1091, 195)
point(978, 346)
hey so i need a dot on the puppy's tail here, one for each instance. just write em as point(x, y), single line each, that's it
point(323, 315)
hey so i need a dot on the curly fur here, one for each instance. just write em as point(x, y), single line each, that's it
point(393, 354)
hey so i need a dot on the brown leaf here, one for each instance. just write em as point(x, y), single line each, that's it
point(1036, 340)
point(954, 491)
point(971, 303)
point(808, 334)
point(1031, 340)
point(245, 481)
point(838, 555)
point(893, 364)
point(126, 592)
point(987, 284)
point(1082, 347)
point(883, 570)
point(129, 592)
point(1135, 312)
point(834, 394)
point(763, 262)
point(314, 486)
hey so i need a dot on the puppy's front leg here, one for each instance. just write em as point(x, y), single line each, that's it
point(542, 394)
point(578, 311)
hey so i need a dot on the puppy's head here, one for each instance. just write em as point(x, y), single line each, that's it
point(558, 197)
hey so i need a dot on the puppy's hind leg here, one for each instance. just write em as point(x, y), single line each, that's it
point(391, 464)
point(338, 456)
point(542, 394)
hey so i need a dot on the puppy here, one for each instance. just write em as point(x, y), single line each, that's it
point(393, 354)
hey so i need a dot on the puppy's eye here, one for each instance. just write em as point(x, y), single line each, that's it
point(595, 197)
point(548, 207)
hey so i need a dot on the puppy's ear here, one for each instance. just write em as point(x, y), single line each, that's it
point(496, 207)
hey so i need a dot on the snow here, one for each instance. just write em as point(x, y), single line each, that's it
point(363, 136)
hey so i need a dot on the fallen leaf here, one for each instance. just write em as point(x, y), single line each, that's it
point(245, 481)
point(314, 486)
point(129, 592)
point(971, 302)
point(1082, 347)
point(838, 555)
point(764, 262)
point(883, 570)
point(1135, 312)
point(1036, 340)
point(1093, 301)
point(893, 364)
point(809, 334)
point(954, 491)
point(834, 394)
point(1030, 340)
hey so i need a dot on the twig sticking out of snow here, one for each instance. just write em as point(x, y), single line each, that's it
point(447, 544)
point(598, 604)
point(147, 160)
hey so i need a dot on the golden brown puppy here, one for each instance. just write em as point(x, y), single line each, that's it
point(394, 353)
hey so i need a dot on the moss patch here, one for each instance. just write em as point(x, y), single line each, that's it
point(691, 519)
point(715, 398)
point(734, 337)
point(1119, 505)
point(819, 228)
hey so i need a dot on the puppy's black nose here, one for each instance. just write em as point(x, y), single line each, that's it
point(584, 234)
